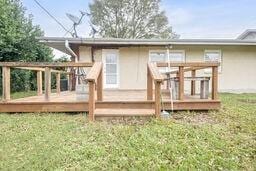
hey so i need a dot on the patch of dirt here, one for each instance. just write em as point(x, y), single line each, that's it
point(195, 119)
point(125, 120)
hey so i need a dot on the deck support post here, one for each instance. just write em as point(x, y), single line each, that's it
point(39, 83)
point(58, 82)
point(69, 82)
point(91, 102)
point(100, 86)
point(47, 83)
point(149, 85)
point(158, 99)
point(181, 83)
point(193, 83)
point(6, 83)
point(214, 83)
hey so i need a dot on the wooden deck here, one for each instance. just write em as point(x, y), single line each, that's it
point(122, 99)
point(104, 103)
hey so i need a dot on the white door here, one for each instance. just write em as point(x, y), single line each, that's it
point(110, 59)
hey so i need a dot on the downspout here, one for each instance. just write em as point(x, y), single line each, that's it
point(76, 58)
point(70, 50)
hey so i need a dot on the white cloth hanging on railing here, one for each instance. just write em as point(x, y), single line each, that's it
point(169, 70)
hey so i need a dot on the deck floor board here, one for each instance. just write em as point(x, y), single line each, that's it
point(108, 95)
point(112, 99)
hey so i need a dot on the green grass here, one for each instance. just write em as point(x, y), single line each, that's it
point(18, 95)
point(223, 140)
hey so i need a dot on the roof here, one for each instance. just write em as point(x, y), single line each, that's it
point(59, 42)
point(246, 33)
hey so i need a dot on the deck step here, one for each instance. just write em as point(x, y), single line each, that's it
point(124, 112)
point(124, 115)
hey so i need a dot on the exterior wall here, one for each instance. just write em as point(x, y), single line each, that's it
point(238, 73)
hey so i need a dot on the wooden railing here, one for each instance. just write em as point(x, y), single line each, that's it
point(39, 67)
point(193, 67)
point(154, 78)
point(95, 80)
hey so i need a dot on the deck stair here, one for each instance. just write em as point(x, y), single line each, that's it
point(103, 114)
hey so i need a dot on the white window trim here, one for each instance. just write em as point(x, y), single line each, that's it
point(213, 51)
point(180, 51)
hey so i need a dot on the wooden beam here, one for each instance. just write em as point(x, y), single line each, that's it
point(20, 107)
point(70, 82)
point(193, 83)
point(40, 69)
point(6, 83)
point(158, 99)
point(39, 83)
point(100, 86)
point(83, 106)
point(155, 74)
point(149, 85)
point(46, 64)
point(58, 83)
point(188, 69)
point(94, 72)
point(47, 83)
point(181, 83)
point(214, 83)
point(91, 102)
point(188, 64)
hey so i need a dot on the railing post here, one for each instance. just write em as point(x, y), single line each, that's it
point(193, 83)
point(181, 82)
point(214, 83)
point(91, 102)
point(149, 85)
point(39, 83)
point(6, 83)
point(100, 86)
point(157, 99)
point(58, 82)
point(69, 82)
point(47, 83)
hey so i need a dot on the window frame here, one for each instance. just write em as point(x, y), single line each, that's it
point(208, 70)
point(157, 51)
point(164, 69)
point(170, 51)
point(179, 51)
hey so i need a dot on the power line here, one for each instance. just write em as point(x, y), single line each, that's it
point(70, 31)
point(51, 16)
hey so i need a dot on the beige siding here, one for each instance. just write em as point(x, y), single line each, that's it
point(238, 65)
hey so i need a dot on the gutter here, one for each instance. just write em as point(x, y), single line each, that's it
point(70, 50)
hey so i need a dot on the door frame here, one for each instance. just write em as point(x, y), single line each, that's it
point(110, 86)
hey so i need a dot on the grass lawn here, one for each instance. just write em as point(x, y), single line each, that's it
point(223, 140)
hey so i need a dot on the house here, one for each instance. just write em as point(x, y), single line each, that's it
point(137, 78)
point(125, 60)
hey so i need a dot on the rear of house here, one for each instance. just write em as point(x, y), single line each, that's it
point(125, 61)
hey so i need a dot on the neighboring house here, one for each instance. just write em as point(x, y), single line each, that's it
point(125, 60)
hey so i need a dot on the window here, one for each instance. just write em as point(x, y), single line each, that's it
point(161, 56)
point(177, 56)
point(212, 56)
point(158, 56)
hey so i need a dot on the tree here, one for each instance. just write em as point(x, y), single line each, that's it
point(18, 43)
point(130, 19)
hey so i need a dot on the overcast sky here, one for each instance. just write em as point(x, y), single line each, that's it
point(189, 18)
